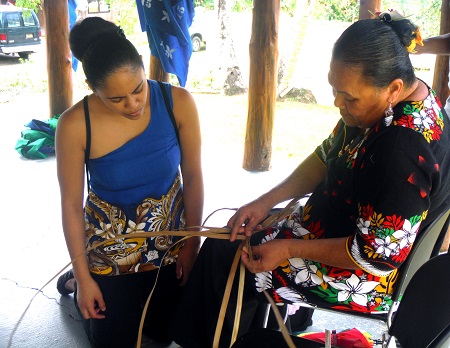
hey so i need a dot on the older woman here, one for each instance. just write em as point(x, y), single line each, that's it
point(375, 182)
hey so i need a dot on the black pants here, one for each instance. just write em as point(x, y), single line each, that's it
point(196, 316)
point(125, 297)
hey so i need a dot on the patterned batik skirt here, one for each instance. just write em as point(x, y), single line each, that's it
point(122, 253)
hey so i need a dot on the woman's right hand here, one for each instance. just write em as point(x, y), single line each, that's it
point(90, 299)
point(247, 218)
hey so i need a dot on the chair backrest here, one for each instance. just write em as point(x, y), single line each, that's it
point(441, 340)
point(424, 313)
point(423, 249)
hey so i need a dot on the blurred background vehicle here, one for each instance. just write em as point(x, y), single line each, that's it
point(197, 33)
point(20, 31)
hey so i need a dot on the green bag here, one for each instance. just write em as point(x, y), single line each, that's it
point(38, 142)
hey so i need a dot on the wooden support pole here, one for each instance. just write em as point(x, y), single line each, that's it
point(262, 85)
point(156, 70)
point(59, 61)
point(368, 5)
point(441, 67)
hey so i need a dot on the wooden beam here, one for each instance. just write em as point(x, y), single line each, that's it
point(59, 62)
point(263, 50)
point(441, 68)
point(156, 70)
point(368, 5)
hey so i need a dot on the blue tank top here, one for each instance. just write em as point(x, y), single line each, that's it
point(146, 166)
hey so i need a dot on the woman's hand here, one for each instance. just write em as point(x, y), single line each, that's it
point(247, 218)
point(267, 256)
point(90, 299)
point(186, 259)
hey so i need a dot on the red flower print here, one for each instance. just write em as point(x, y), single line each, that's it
point(406, 121)
point(437, 131)
point(394, 222)
point(366, 212)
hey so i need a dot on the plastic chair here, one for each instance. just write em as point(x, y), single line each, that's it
point(423, 317)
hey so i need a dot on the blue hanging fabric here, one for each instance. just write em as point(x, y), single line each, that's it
point(167, 25)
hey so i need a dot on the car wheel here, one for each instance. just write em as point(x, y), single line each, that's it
point(196, 44)
point(24, 55)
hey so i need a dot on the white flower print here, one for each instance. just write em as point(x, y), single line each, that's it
point(147, 3)
point(169, 51)
point(151, 255)
point(407, 235)
point(132, 227)
point(269, 237)
point(263, 281)
point(422, 119)
point(363, 225)
point(328, 279)
point(105, 231)
point(165, 17)
point(354, 288)
point(385, 246)
point(298, 229)
point(305, 272)
point(290, 295)
point(180, 11)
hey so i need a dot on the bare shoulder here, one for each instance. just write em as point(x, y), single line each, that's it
point(181, 95)
point(71, 123)
point(183, 103)
point(72, 115)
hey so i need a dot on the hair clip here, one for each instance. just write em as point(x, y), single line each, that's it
point(120, 32)
point(389, 15)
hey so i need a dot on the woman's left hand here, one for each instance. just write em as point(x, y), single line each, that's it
point(265, 257)
point(186, 259)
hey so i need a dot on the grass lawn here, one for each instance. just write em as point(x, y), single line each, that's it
point(298, 129)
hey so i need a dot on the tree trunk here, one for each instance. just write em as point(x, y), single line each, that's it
point(59, 60)
point(157, 72)
point(262, 86)
point(229, 76)
point(289, 59)
point(368, 5)
point(441, 68)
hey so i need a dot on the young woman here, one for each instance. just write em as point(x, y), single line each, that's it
point(143, 173)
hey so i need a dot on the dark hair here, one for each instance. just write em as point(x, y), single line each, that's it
point(102, 48)
point(378, 48)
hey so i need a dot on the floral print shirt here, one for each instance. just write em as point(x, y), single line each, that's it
point(381, 184)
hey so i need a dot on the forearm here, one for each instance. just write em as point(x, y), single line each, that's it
point(435, 45)
point(74, 232)
point(330, 251)
point(193, 197)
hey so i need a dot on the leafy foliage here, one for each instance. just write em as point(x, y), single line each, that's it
point(424, 13)
point(31, 4)
point(339, 10)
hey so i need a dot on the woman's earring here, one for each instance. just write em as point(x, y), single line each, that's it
point(389, 115)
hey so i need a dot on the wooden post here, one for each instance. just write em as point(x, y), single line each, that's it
point(59, 62)
point(441, 67)
point(368, 5)
point(262, 85)
point(156, 70)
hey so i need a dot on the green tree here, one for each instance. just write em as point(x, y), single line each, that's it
point(31, 4)
point(124, 13)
